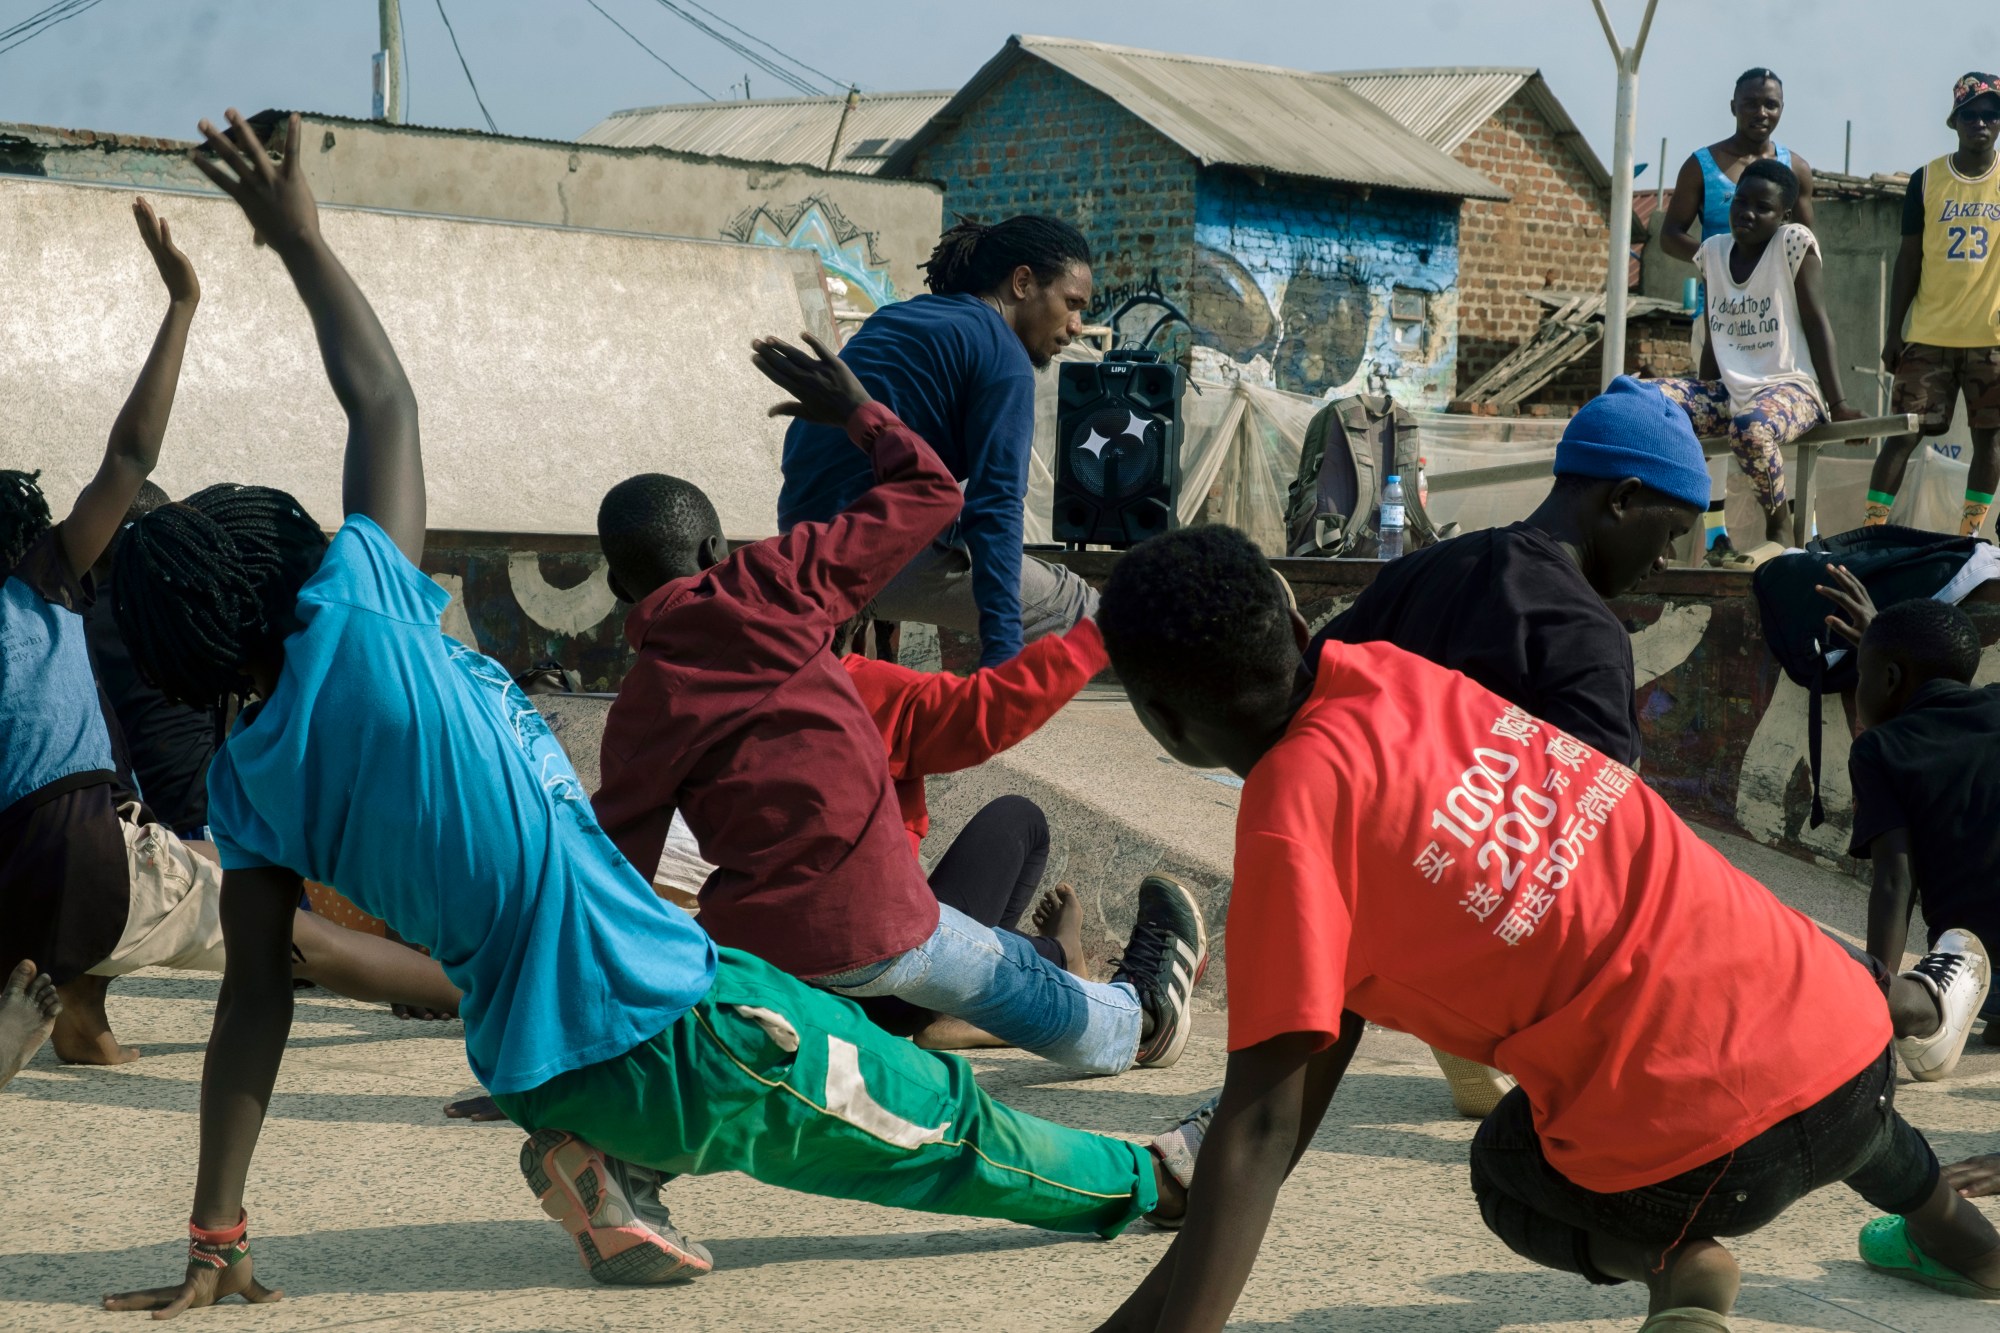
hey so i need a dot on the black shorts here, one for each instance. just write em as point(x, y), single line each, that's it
point(65, 885)
point(1853, 1134)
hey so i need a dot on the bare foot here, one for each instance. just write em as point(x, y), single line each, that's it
point(945, 1033)
point(1059, 916)
point(482, 1108)
point(83, 1031)
point(28, 1010)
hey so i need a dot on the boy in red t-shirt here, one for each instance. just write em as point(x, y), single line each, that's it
point(1415, 851)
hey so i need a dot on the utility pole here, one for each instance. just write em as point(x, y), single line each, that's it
point(389, 63)
point(1627, 128)
point(1847, 156)
point(840, 130)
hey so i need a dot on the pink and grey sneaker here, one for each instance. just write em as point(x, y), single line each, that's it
point(624, 1237)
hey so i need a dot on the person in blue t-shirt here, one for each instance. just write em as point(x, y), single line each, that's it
point(69, 906)
point(957, 367)
point(409, 773)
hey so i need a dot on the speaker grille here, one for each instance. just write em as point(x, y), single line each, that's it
point(1116, 440)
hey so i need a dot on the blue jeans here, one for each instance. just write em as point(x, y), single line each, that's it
point(995, 980)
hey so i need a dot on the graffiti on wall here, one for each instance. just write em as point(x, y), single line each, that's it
point(1314, 288)
point(815, 223)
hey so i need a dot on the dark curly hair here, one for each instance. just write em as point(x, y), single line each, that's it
point(1936, 638)
point(1199, 620)
point(651, 526)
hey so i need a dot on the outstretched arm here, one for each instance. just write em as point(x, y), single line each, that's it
point(253, 1017)
point(384, 473)
point(1273, 1096)
point(1819, 336)
point(134, 446)
point(948, 723)
point(842, 563)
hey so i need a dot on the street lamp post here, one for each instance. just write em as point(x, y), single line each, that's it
point(1626, 130)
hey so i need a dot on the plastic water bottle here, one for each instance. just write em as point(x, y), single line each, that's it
point(1392, 518)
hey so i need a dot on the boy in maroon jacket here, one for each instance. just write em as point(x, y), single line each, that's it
point(738, 714)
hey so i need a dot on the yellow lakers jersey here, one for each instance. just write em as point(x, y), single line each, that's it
point(1958, 300)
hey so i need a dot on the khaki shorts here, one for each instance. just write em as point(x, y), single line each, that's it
point(1929, 380)
point(176, 915)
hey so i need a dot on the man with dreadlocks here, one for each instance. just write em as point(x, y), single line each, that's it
point(957, 366)
point(379, 756)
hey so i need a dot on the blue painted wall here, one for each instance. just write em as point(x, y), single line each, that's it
point(1302, 274)
point(1297, 272)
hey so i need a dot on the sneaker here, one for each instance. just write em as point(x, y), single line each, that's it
point(1475, 1089)
point(1163, 960)
point(1956, 973)
point(1177, 1149)
point(623, 1240)
point(1724, 555)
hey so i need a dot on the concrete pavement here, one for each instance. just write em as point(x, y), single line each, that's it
point(371, 1210)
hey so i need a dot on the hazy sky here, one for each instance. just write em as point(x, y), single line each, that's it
point(552, 68)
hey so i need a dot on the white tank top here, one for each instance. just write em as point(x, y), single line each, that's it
point(1754, 325)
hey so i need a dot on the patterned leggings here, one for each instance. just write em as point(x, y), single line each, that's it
point(1777, 416)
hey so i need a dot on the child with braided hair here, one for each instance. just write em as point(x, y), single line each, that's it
point(408, 772)
point(96, 886)
point(73, 903)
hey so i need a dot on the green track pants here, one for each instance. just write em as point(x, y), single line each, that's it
point(796, 1087)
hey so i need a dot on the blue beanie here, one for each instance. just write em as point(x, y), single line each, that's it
point(1634, 430)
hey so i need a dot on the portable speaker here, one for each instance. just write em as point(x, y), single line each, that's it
point(1118, 449)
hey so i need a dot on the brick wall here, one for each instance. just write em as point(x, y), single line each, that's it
point(1552, 233)
point(1301, 274)
point(1039, 141)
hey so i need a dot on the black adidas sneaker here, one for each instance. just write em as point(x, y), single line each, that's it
point(1163, 960)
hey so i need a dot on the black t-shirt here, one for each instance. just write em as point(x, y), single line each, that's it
point(1934, 769)
point(1510, 609)
point(1913, 204)
point(169, 744)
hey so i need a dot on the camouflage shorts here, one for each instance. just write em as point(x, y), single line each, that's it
point(1929, 380)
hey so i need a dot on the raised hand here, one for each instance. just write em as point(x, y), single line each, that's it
point(202, 1286)
point(823, 389)
point(1851, 596)
point(176, 270)
point(275, 197)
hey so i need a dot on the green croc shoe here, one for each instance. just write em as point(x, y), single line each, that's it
point(1686, 1319)
point(1886, 1247)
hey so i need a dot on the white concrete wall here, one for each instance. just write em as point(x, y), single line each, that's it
point(645, 190)
point(549, 363)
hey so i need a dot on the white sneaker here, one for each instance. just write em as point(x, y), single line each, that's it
point(1475, 1089)
point(1957, 974)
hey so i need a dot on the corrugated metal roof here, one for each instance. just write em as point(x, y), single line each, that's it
point(1231, 113)
point(796, 129)
point(1445, 104)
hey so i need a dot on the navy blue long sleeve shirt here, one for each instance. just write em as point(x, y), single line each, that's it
point(953, 371)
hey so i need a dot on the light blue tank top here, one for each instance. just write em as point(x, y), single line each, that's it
point(51, 726)
point(1718, 191)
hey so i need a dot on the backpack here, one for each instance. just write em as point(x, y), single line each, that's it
point(1352, 446)
point(1895, 564)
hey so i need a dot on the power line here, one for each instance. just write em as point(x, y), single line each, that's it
point(46, 19)
point(776, 71)
point(649, 50)
point(467, 68)
point(838, 83)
